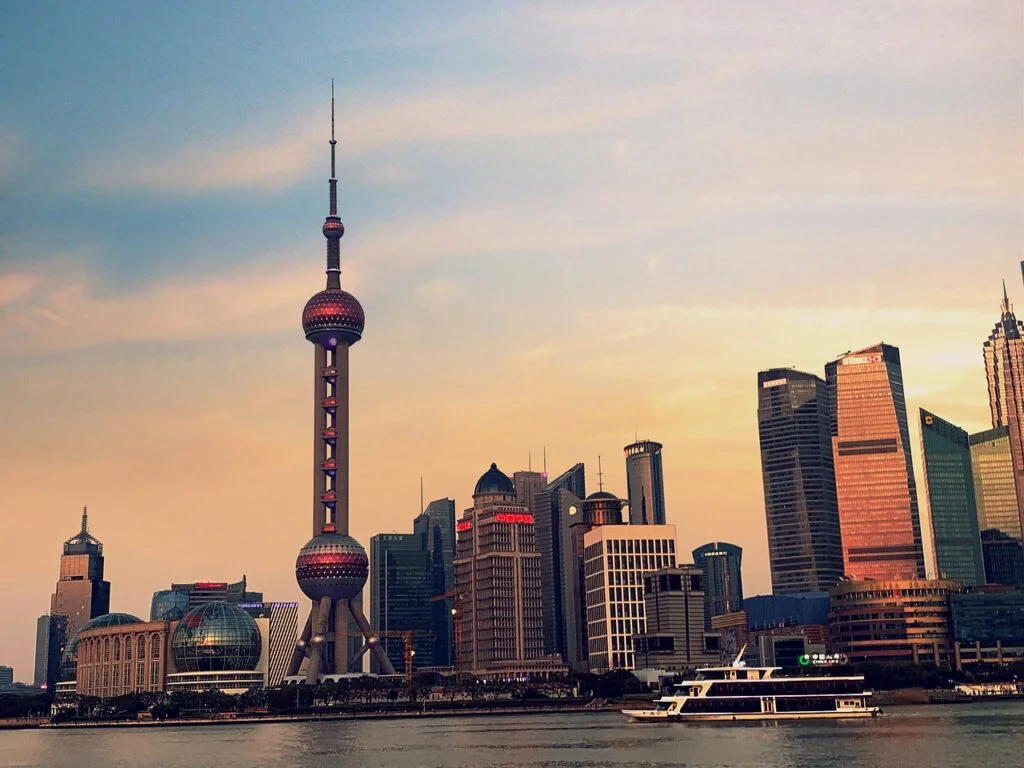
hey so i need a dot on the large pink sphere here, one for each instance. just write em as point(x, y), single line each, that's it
point(333, 317)
point(331, 565)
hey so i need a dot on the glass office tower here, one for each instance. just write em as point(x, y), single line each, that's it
point(401, 585)
point(949, 483)
point(723, 579)
point(875, 487)
point(804, 546)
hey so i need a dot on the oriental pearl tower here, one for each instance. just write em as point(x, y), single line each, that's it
point(332, 567)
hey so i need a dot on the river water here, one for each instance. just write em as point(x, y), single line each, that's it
point(989, 735)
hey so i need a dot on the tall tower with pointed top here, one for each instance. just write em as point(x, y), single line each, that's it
point(332, 567)
point(81, 595)
point(1004, 370)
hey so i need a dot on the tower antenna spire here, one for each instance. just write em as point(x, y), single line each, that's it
point(333, 229)
point(600, 474)
point(421, 493)
point(1006, 298)
point(85, 519)
point(333, 142)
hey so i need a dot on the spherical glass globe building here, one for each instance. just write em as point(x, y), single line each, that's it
point(69, 661)
point(216, 637)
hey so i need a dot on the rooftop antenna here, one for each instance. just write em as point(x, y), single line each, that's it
point(421, 493)
point(600, 475)
point(529, 462)
point(85, 519)
point(546, 448)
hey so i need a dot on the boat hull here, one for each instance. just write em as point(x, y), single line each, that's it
point(654, 716)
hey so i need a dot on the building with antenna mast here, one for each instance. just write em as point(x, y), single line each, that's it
point(332, 567)
point(81, 595)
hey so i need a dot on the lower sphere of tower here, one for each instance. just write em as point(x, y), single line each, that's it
point(333, 317)
point(331, 565)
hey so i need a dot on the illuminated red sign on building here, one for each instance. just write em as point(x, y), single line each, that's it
point(514, 517)
point(211, 585)
point(463, 525)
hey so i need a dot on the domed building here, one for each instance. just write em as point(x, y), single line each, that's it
point(117, 654)
point(498, 570)
point(494, 483)
point(603, 508)
point(69, 659)
point(219, 646)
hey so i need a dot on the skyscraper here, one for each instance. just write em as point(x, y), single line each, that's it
point(949, 483)
point(51, 637)
point(332, 567)
point(528, 484)
point(721, 564)
point(616, 558)
point(674, 611)
point(173, 603)
point(498, 570)
point(436, 526)
point(401, 585)
point(995, 484)
point(550, 509)
point(875, 487)
point(645, 483)
point(804, 546)
point(1004, 370)
point(1004, 558)
point(81, 592)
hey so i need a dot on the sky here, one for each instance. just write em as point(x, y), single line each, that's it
point(569, 225)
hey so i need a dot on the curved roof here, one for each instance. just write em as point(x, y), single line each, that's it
point(494, 481)
point(69, 660)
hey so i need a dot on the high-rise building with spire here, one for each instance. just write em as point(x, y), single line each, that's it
point(1004, 371)
point(875, 486)
point(332, 567)
point(81, 592)
point(81, 595)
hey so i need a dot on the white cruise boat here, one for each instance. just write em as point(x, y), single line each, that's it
point(738, 692)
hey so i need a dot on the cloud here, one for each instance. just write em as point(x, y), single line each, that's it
point(275, 157)
point(40, 316)
point(15, 286)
